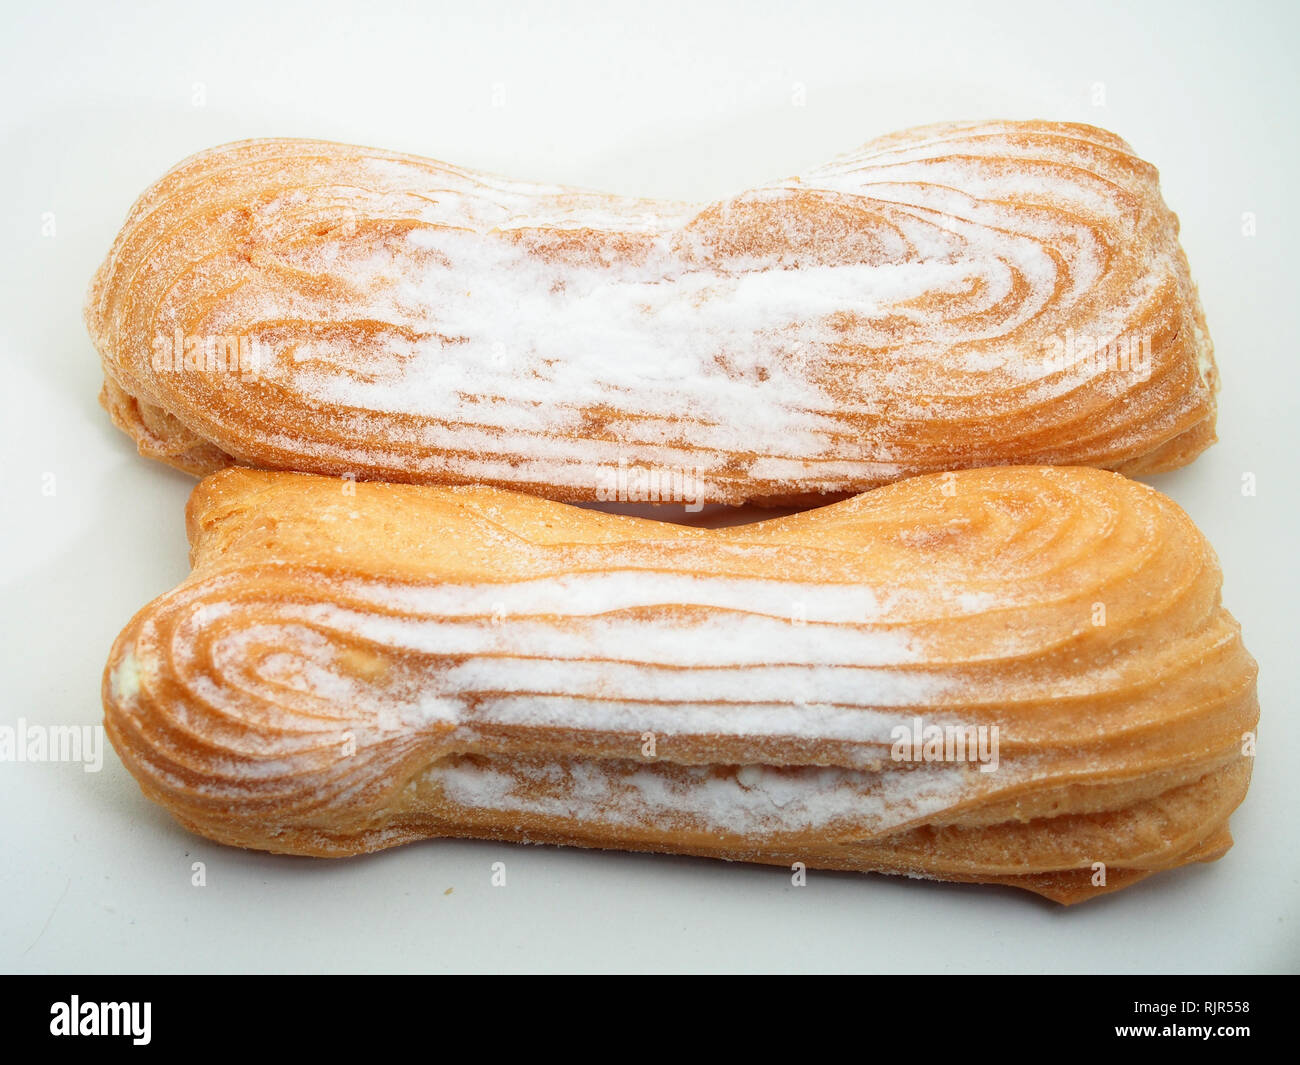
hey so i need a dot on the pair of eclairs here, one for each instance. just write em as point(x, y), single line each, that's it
point(948, 347)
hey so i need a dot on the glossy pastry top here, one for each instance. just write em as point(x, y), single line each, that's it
point(952, 296)
point(355, 665)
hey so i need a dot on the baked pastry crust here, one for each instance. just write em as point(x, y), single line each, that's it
point(958, 295)
point(354, 666)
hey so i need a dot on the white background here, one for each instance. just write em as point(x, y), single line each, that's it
point(680, 100)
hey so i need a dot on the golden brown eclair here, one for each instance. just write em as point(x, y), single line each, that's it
point(953, 296)
point(352, 666)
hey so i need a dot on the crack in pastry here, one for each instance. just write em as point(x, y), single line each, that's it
point(960, 295)
point(353, 666)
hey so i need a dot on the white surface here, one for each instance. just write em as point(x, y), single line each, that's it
point(665, 99)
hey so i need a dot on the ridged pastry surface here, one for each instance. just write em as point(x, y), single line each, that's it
point(351, 666)
point(932, 300)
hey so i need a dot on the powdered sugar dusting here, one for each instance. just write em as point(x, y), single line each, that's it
point(754, 801)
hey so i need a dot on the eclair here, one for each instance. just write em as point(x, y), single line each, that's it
point(1014, 675)
point(960, 295)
